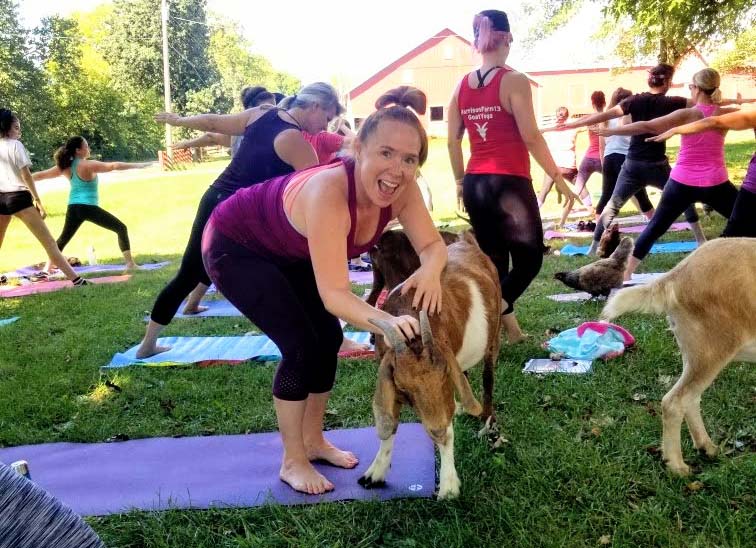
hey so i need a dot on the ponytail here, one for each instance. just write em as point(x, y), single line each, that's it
point(64, 156)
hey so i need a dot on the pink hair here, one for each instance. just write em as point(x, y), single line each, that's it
point(487, 38)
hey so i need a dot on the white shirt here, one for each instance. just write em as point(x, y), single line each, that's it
point(562, 147)
point(616, 144)
point(13, 158)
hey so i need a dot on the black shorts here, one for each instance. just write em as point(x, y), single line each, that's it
point(13, 202)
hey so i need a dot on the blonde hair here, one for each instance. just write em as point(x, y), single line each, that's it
point(707, 80)
point(319, 93)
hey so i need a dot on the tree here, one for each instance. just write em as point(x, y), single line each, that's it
point(668, 29)
point(742, 56)
point(133, 47)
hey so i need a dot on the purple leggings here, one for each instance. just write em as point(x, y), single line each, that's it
point(283, 301)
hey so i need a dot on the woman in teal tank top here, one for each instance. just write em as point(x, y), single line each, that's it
point(72, 161)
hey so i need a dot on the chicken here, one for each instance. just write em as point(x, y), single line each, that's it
point(610, 239)
point(600, 277)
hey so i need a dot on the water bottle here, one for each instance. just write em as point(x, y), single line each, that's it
point(92, 256)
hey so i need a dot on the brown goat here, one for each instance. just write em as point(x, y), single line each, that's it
point(425, 374)
point(394, 260)
point(710, 302)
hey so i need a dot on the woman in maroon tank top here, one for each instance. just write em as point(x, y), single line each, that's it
point(278, 251)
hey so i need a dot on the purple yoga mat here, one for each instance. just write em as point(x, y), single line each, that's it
point(222, 471)
point(361, 278)
point(49, 287)
point(632, 229)
point(85, 269)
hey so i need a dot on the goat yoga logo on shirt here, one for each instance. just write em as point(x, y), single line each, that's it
point(475, 114)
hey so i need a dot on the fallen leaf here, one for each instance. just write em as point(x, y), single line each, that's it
point(639, 396)
point(694, 486)
point(605, 539)
point(596, 431)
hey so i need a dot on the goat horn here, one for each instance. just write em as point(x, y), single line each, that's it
point(394, 340)
point(425, 330)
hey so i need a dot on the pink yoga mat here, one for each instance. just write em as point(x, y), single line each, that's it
point(633, 229)
point(49, 287)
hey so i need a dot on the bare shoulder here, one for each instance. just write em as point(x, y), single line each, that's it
point(515, 78)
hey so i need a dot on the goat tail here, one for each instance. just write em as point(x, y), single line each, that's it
point(652, 298)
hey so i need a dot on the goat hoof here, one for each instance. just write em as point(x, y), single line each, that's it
point(679, 470)
point(370, 483)
point(710, 451)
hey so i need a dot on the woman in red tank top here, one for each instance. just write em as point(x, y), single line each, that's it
point(494, 105)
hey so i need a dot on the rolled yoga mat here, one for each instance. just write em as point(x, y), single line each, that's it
point(96, 479)
point(57, 285)
point(212, 350)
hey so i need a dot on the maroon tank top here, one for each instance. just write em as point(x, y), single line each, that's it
point(255, 218)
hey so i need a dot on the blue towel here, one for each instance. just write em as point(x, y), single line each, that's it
point(667, 247)
point(188, 350)
point(8, 321)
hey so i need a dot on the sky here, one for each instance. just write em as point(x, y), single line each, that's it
point(350, 40)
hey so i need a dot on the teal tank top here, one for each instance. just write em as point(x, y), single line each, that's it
point(82, 192)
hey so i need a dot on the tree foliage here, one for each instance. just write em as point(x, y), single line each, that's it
point(667, 29)
point(741, 57)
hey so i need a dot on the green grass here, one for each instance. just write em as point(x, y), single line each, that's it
point(581, 459)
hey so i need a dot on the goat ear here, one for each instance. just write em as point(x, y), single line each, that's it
point(470, 404)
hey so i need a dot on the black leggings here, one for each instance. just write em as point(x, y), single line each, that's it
point(635, 175)
point(675, 198)
point(742, 222)
point(76, 214)
point(610, 170)
point(192, 271)
point(504, 214)
point(283, 301)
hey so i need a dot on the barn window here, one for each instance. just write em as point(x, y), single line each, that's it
point(448, 53)
point(407, 76)
point(437, 114)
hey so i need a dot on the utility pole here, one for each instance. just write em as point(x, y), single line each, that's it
point(166, 76)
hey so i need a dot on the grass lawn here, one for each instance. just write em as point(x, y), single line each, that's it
point(580, 468)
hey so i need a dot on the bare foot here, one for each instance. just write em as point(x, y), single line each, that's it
point(131, 267)
point(302, 477)
point(189, 309)
point(326, 451)
point(348, 345)
point(147, 351)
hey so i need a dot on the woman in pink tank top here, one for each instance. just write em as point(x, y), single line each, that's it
point(495, 106)
point(742, 222)
point(278, 251)
point(699, 175)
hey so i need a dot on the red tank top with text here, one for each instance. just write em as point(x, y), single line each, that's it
point(495, 143)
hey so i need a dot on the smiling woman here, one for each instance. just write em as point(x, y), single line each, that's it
point(278, 252)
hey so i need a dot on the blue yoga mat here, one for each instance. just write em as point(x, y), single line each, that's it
point(151, 474)
point(216, 308)
point(8, 321)
point(667, 247)
point(88, 269)
point(189, 350)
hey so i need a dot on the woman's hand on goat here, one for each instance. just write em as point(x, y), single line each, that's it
point(407, 326)
point(427, 286)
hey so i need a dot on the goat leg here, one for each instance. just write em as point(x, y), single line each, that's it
point(449, 483)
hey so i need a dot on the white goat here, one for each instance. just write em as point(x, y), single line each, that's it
point(424, 374)
point(710, 301)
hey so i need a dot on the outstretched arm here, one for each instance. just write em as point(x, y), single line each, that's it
point(592, 119)
point(228, 124)
point(94, 166)
point(456, 130)
point(47, 174)
point(521, 106)
point(657, 125)
point(739, 120)
point(205, 140)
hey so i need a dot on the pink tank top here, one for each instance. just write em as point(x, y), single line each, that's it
point(496, 146)
point(594, 148)
point(701, 161)
point(255, 217)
